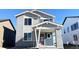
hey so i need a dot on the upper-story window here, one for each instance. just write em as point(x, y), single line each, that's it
point(67, 29)
point(64, 31)
point(28, 21)
point(74, 26)
point(47, 19)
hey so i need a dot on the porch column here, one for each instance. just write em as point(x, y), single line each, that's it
point(59, 39)
point(36, 37)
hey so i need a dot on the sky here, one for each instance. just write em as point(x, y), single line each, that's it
point(59, 14)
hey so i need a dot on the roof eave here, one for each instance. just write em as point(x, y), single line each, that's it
point(44, 13)
point(48, 22)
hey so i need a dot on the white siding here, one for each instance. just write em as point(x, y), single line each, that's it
point(68, 36)
point(19, 28)
point(28, 28)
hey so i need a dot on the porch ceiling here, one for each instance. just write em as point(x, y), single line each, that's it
point(43, 28)
point(47, 29)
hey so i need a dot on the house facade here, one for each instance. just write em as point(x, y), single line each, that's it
point(70, 31)
point(7, 33)
point(37, 29)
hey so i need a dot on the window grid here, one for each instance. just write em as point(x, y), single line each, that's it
point(28, 21)
point(27, 36)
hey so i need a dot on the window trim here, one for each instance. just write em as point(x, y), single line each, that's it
point(27, 21)
point(68, 29)
point(74, 26)
point(75, 37)
point(27, 37)
point(64, 31)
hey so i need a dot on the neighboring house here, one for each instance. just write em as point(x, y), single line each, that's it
point(71, 30)
point(37, 29)
point(7, 33)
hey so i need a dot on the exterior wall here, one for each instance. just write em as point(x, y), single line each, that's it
point(1, 36)
point(8, 38)
point(21, 29)
point(68, 36)
point(59, 39)
point(35, 20)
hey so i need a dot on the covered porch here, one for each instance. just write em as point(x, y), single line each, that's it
point(47, 36)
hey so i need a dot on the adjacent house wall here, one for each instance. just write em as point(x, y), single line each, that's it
point(1, 36)
point(7, 24)
point(7, 34)
point(68, 36)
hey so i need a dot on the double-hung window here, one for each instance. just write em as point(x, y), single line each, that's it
point(28, 21)
point(67, 29)
point(75, 37)
point(28, 36)
point(74, 26)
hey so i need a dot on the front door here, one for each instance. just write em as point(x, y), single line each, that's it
point(48, 39)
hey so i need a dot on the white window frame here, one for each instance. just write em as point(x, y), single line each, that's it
point(27, 21)
point(27, 37)
point(75, 37)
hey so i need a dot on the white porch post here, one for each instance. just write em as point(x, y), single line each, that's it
point(36, 37)
point(59, 39)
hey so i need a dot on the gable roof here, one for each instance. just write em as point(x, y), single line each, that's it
point(36, 12)
point(69, 17)
point(41, 13)
point(46, 22)
point(3, 20)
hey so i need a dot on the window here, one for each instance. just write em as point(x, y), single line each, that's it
point(51, 19)
point(75, 37)
point(64, 31)
point(27, 36)
point(49, 35)
point(46, 20)
point(74, 26)
point(28, 21)
point(67, 29)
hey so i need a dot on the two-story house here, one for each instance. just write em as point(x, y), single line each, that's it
point(37, 29)
point(70, 31)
